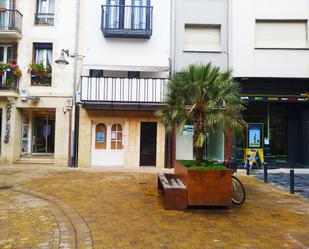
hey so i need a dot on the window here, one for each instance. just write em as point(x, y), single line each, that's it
point(43, 53)
point(281, 34)
point(115, 14)
point(45, 12)
point(101, 136)
point(140, 14)
point(42, 58)
point(202, 38)
point(94, 73)
point(5, 54)
point(116, 137)
point(5, 57)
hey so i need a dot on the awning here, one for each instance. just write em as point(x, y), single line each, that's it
point(160, 68)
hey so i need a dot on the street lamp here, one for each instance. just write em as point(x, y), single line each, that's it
point(62, 61)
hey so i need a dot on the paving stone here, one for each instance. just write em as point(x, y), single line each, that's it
point(120, 212)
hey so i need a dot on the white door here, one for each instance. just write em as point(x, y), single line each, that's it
point(108, 144)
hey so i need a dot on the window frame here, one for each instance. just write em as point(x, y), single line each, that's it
point(281, 21)
point(206, 25)
point(47, 16)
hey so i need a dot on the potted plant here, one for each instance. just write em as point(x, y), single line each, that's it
point(4, 67)
point(208, 99)
point(13, 73)
point(40, 75)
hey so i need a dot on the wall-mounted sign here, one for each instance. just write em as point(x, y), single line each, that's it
point(255, 136)
point(188, 130)
point(100, 137)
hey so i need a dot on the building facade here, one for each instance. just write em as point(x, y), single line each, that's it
point(200, 36)
point(126, 47)
point(270, 58)
point(36, 96)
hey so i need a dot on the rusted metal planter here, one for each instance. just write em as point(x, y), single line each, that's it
point(206, 187)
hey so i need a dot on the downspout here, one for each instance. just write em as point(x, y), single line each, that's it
point(228, 34)
point(171, 146)
point(73, 113)
point(173, 37)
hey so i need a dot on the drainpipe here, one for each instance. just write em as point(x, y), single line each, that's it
point(73, 139)
point(173, 37)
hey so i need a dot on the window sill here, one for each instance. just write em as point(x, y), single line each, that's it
point(206, 51)
point(305, 49)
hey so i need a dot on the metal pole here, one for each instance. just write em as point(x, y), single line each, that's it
point(265, 173)
point(248, 167)
point(292, 181)
point(72, 149)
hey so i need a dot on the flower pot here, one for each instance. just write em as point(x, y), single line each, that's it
point(206, 187)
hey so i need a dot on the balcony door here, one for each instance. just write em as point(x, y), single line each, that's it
point(115, 14)
point(5, 16)
point(45, 12)
point(5, 57)
point(108, 143)
point(140, 14)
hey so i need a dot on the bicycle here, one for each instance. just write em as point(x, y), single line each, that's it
point(238, 190)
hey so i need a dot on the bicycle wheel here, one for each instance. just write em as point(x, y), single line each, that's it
point(238, 191)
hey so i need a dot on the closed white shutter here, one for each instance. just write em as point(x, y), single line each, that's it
point(281, 34)
point(202, 38)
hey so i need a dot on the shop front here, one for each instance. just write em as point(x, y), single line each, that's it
point(38, 133)
point(278, 119)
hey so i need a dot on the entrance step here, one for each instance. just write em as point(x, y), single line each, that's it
point(34, 160)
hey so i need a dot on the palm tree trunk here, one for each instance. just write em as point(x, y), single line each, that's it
point(199, 156)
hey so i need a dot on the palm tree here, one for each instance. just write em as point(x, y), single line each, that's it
point(205, 97)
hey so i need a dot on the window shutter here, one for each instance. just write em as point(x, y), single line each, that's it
point(14, 52)
point(281, 34)
point(202, 38)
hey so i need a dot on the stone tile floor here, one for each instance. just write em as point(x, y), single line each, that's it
point(53, 208)
point(282, 179)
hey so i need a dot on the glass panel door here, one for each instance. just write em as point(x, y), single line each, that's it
point(5, 57)
point(4, 16)
point(139, 14)
point(43, 134)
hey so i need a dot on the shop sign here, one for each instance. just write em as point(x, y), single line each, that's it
point(188, 130)
point(100, 137)
point(255, 132)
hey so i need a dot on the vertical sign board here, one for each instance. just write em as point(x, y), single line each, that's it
point(255, 146)
point(254, 136)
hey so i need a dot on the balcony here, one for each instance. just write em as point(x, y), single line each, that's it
point(44, 19)
point(8, 85)
point(125, 21)
point(123, 93)
point(10, 23)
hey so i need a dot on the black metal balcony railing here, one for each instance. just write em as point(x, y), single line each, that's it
point(44, 19)
point(10, 20)
point(127, 21)
point(8, 82)
point(123, 90)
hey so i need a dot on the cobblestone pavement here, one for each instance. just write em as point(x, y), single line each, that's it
point(122, 210)
point(282, 179)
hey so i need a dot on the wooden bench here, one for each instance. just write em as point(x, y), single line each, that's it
point(174, 191)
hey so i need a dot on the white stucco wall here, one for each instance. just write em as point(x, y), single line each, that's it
point(62, 35)
point(100, 51)
point(184, 147)
point(250, 62)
